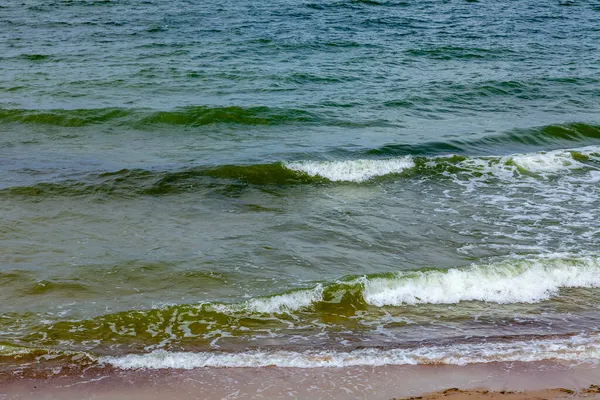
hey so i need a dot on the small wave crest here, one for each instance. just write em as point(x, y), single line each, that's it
point(552, 161)
point(541, 163)
point(352, 170)
point(523, 140)
point(275, 304)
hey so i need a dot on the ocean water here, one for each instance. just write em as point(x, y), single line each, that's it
point(308, 183)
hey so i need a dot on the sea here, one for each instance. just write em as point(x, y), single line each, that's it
point(298, 183)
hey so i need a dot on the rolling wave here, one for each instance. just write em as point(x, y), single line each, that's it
point(538, 165)
point(365, 297)
point(185, 116)
point(198, 116)
point(525, 281)
point(556, 136)
point(512, 281)
point(352, 170)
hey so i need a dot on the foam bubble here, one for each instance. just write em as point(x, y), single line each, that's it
point(289, 301)
point(514, 281)
point(505, 167)
point(542, 163)
point(592, 177)
point(551, 161)
point(352, 170)
point(9, 350)
point(281, 303)
point(577, 348)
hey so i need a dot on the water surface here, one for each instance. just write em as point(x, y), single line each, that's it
point(298, 183)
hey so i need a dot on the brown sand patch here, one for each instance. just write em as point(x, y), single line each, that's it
point(591, 392)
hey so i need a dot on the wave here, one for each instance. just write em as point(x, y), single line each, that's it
point(557, 136)
point(540, 163)
point(371, 296)
point(139, 182)
point(512, 281)
point(509, 168)
point(455, 52)
point(578, 349)
point(352, 170)
point(329, 312)
point(523, 281)
point(128, 183)
point(292, 301)
point(183, 116)
point(194, 116)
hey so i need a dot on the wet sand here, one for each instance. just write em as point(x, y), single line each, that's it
point(591, 392)
point(477, 381)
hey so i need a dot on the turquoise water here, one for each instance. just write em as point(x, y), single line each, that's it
point(302, 183)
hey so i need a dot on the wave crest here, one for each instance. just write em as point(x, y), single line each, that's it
point(522, 281)
point(352, 170)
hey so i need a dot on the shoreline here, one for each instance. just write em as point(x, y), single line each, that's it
point(530, 380)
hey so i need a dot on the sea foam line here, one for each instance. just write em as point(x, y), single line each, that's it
point(578, 348)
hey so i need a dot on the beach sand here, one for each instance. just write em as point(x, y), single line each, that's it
point(591, 392)
point(476, 381)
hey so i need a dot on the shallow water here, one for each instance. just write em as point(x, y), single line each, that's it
point(300, 184)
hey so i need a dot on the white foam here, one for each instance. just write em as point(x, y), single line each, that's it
point(8, 350)
point(506, 167)
point(286, 302)
point(352, 170)
point(592, 152)
point(281, 303)
point(514, 281)
point(577, 349)
point(592, 177)
point(550, 161)
point(542, 163)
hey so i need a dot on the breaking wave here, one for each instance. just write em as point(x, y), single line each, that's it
point(522, 281)
point(127, 182)
point(352, 170)
point(511, 281)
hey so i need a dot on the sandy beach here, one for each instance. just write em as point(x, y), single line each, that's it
point(559, 393)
